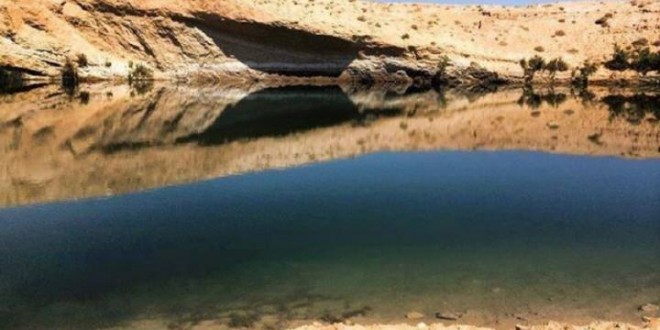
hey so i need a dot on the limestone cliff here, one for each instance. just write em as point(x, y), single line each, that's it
point(245, 39)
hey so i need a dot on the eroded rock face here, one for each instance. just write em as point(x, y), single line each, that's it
point(238, 40)
point(115, 140)
point(176, 38)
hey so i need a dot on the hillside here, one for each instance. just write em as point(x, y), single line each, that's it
point(244, 39)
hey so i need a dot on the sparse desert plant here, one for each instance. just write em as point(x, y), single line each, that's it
point(108, 64)
point(531, 67)
point(555, 65)
point(82, 60)
point(580, 76)
point(140, 72)
point(641, 42)
point(604, 21)
point(560, 33)
point(644, 61)
point(140, 78)
point(620, 60)
point(539, 49)
point(443, 64)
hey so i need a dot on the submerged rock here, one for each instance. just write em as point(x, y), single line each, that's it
point(649, 308)
point(652, 322)
point(451, 316)
point(415, 316)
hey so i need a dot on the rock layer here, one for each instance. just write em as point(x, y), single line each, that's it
point(246, 40)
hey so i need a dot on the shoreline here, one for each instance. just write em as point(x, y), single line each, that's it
point(550, 325)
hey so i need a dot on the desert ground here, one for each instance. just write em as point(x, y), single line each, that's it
point(246, 40)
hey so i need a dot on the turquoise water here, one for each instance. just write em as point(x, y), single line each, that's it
point(493, 235)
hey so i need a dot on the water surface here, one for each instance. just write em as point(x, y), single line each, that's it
point(548, 223)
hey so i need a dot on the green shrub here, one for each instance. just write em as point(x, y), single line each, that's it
point(580, 76)
point(644, 61)
point(140, 78)
point(140, 72)
point(531, 67)
point(555, 65)
point(443, 64)
point(620, 60)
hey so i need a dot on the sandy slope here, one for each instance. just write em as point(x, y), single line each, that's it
point(307, 36)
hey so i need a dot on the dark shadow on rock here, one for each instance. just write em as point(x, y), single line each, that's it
point(280, 49)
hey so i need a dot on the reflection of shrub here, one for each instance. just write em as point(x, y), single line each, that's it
point(70, 78)
point(633, 108)
point(84, 97)
point(10, 80)
point(534, 100)
point(140, 72)
point(140, 78)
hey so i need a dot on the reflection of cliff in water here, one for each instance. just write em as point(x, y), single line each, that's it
point(112, 140)
point(281, 111)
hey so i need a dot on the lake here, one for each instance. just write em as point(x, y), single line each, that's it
point(267, 208)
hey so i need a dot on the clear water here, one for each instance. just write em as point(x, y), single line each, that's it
point(500, 236)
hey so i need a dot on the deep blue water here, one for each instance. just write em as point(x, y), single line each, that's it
point(393, 231)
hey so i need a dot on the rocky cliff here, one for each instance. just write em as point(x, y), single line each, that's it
point(248, 40)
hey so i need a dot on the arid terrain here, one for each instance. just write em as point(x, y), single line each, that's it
point(242, 86)
point(246, 40)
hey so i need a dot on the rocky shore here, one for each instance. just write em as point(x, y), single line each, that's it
point(440, 326)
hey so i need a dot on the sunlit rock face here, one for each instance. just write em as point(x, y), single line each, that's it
point(114, 139)
point(245, 40)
